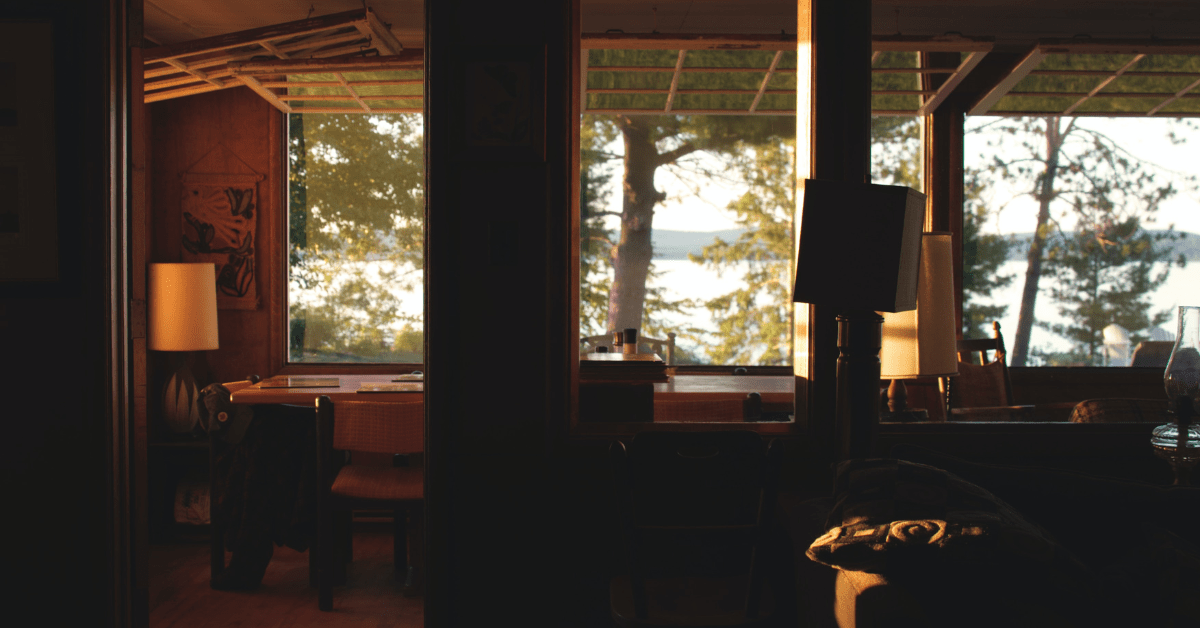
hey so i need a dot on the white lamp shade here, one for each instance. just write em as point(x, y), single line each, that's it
point(922, 342)
point(183, 307)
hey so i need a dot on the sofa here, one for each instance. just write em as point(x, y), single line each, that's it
point(927, 539)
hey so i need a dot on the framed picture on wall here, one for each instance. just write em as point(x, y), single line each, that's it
point(503, 104)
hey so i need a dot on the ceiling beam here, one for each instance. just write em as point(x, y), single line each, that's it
point(254, 36)
point(1007, 82)
point(946, 88)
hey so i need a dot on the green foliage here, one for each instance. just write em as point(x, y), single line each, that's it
point(595, 241)
point(673, 137)
point(983, 253)
point(896, 151)
point(1105, 274)
point(754, 322)
point(356, 229)
point(1077, 175)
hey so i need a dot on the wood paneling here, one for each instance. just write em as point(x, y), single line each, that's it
point(182, 132)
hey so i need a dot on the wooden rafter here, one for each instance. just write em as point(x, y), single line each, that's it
point(203, 64)
point(408, 60)
point(947, 88)
point(1104, 83)
point(1179, 94)
point(762, 89)
point(1010, 80)
point(975, 48)
point(675, 80)
point(1137, 49)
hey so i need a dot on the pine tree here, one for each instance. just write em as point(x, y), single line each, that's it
point(1104, 273)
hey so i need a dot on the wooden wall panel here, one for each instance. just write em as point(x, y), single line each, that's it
point(182, 132)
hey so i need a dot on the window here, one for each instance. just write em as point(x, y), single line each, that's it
point(688, 177)
point(1079, 226)
point(355, 237)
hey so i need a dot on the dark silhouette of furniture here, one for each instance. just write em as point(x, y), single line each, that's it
point(706, 411)
point(1152, 353)
point(1121, 410)
point(385, 427)
point(663, 348)
point(694, 508)
point(215, 447)
point(982, 390)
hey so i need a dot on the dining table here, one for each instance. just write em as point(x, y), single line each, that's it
point(274, 390)
point(777, 391)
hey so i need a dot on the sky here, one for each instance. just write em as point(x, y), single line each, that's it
point(1145, 139)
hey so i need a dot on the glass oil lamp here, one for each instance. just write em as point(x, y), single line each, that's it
point(1179, 440)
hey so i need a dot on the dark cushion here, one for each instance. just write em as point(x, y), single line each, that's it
point(1084, 512)
point(973, 559)
point(1140, 540)
point(892, 514)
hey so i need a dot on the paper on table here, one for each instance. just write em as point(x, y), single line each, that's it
point(284, 381)
point(409, 377)
point(370, 387)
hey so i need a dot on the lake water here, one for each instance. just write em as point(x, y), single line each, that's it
point(684, 279)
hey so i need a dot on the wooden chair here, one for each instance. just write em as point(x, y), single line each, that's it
point(718, 411)
point(694, 508)
point(1152, 353)
point(377, 427)
point(217, 427)
point(982, 382)
point(663, 348)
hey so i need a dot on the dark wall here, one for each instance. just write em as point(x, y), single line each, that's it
point(55, 458)
point(497, 269)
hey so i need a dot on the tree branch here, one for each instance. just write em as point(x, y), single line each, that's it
point(671, 156)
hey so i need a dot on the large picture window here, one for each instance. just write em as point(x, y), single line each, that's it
point(355, 238)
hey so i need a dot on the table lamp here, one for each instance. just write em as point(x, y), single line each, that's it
point(858, 253)
point(922, 342)
point(183, 319)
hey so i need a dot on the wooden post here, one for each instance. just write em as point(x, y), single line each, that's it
point(833, 142)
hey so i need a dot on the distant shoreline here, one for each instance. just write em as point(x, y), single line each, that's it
point(675, 245)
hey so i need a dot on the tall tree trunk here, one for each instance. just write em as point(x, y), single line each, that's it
point(631, 262)
point(1033, 269)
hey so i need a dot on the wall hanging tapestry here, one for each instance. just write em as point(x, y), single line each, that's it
point(219, 217)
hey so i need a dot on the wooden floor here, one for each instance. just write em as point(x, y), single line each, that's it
point(181, 598)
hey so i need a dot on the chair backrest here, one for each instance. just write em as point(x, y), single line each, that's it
point(694, 502)
point(969, 346)
point(984, 381)
point(716, 411)
point(1152, 353)
point(386, 427)
point(663, 348)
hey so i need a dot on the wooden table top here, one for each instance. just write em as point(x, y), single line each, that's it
point(684, 384)
point(773, 388)
point(347, 390)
